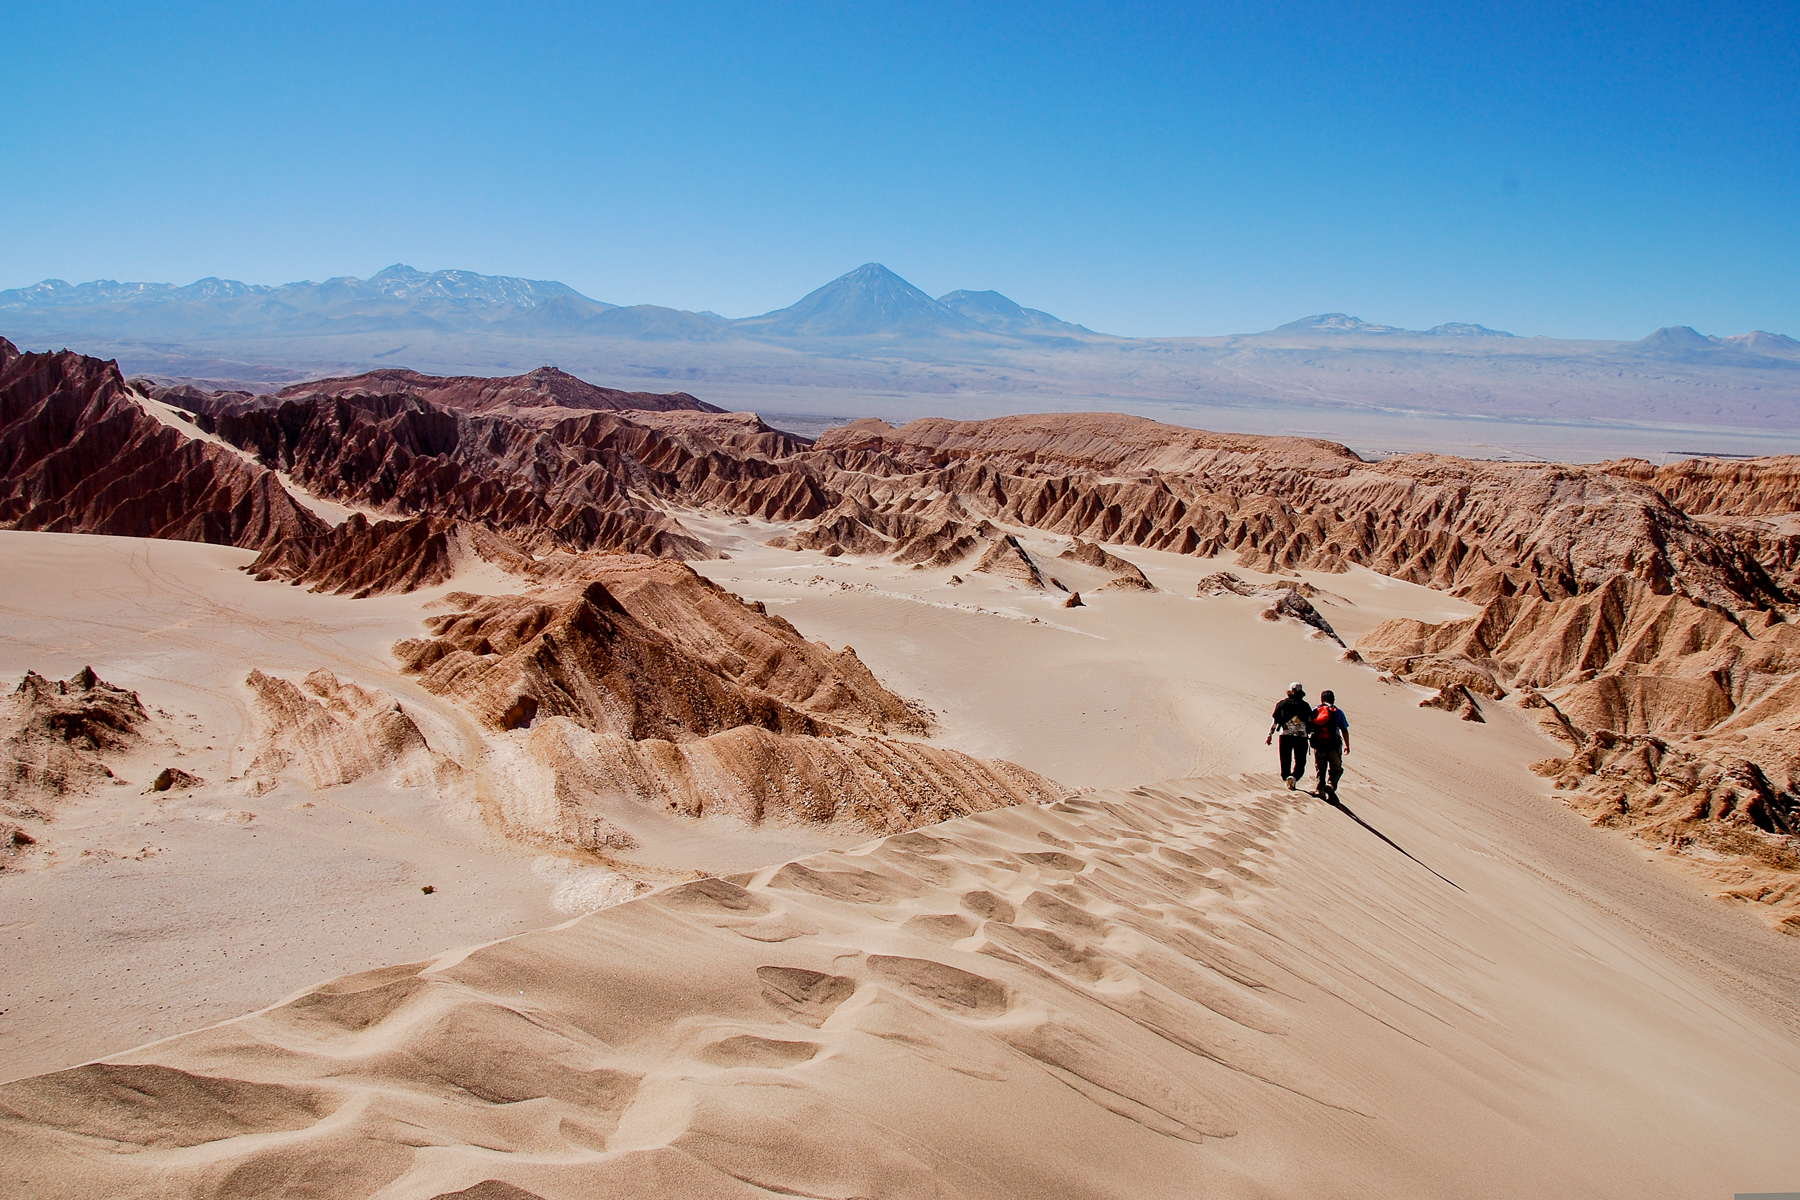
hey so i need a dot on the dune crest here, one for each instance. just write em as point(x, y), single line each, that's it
point(1167, 979)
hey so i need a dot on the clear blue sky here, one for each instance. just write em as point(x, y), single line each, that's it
point(1575, 170)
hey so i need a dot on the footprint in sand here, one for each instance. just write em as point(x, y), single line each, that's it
point(809, 997)
point(941, 927)
point(714, 895)
point(988, 906)
point(747, 1050)
point(949, 988)
point(853, 886)
point(1056, 860)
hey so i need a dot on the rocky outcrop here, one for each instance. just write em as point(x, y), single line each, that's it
point(190, 398)
point(1682, 722)
point(1757, 487)
point(56, 737)
point(751, 774)
point(362, 557)
point(1455, 698)
point(595, 481)
point(645, 649)
point(739, 433)
point(1127, 576)
point(639, 684)
point(15, 843)
point(327, 731)
point(515, 660)
point(748, 645)
point(1622, 628)
point(79, 454)
point(531, 393)
point(1286, 601)
point(1476, 529)
point(1058, 443)
point(1006, 558)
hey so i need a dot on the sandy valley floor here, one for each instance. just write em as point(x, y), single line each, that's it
point(1496, 964)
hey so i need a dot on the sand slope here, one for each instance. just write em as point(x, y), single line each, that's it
point(1197, 988)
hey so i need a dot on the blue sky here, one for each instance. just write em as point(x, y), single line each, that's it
point(1574, 170)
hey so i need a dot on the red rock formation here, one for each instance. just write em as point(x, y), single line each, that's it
point(650, 685)
point(79, 454)
point(1007, 559)
point(1127, 576)
point(1682, 722)
point(1756, 487)
point(1286, 601)
point(363, 558)
point(580, 483)
point(327, 730)
point(56, 737)
point(544, 388)
point(517, 659)
point(749, 645)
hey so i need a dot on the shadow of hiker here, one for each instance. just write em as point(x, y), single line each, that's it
point(1345, 809)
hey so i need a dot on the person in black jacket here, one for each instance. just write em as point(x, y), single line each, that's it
point(1293, 720)
point(1330, 742)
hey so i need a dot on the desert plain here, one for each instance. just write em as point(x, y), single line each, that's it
point(422, 788)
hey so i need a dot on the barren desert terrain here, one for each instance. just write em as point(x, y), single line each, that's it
point(423, 790)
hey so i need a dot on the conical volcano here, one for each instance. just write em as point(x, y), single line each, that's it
point(870, 301)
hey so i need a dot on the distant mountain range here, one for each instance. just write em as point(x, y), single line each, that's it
point(398, 283)
point(869, 302)
point(870, 331)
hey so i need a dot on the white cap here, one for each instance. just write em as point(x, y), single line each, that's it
point(1295, 687)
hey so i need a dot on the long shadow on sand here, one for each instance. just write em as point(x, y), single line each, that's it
point(1345, 809)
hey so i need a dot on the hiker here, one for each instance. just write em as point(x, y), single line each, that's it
point(1330, 742)
point(1293, 720)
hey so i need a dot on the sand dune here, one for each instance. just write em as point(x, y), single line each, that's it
point(1199, 987)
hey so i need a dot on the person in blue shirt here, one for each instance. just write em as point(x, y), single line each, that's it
point(1330, 742)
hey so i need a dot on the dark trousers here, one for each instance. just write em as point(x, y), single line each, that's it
point(1330, 757)
point(1293, 756)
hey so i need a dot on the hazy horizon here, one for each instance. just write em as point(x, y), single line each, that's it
point(714, 311)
